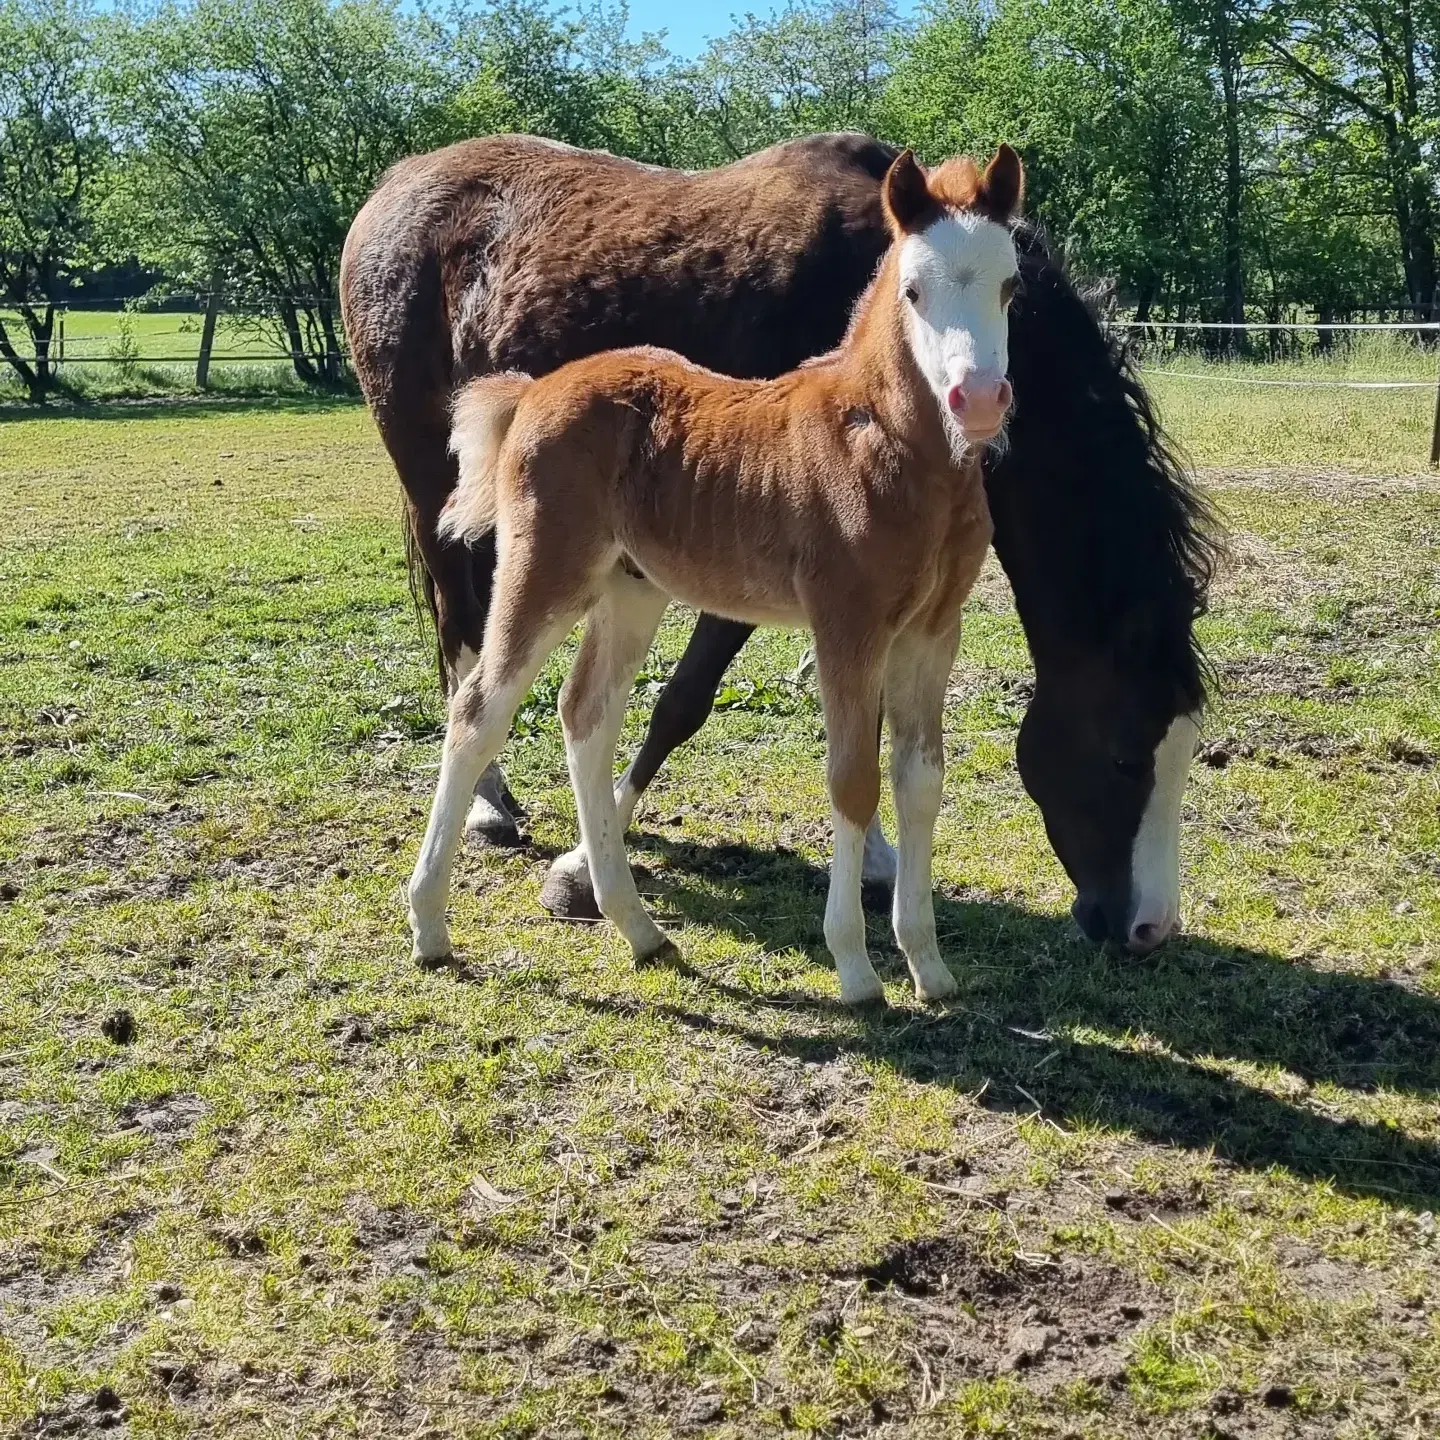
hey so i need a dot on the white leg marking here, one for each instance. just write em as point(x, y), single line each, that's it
point(467, 752)
point(488, 812)
point(1155, 856)
point(845, 919)
point(879, 866)
point(916, 674)
point(919, 782)
point(465, 662)
point(618, 634)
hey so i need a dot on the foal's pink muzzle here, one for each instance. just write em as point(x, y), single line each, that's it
point(980, 407)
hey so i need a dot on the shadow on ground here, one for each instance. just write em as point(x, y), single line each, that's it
point(1029, 984)
point(171, 407)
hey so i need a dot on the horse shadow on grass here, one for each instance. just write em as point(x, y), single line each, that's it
point(1042, 1017)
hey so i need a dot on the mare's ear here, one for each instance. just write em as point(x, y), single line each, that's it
point(1002, 187)
point(909, 205)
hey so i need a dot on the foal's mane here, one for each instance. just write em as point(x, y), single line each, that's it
point(1110, 511)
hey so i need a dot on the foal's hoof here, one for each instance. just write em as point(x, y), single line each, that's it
point(668, 954)
point(864, 993)
point(567, 893)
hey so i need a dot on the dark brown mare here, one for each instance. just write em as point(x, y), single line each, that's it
point(513, 253)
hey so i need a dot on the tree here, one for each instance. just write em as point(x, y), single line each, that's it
point(1371, 65)
point(1110, 108)
point(54, 164)
point(256, 130)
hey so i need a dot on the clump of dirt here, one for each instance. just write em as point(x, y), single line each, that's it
point(170, 1119)
point(1166, 1203)
point(1052, 1321)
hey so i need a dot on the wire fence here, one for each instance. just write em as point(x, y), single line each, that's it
point(97, 333)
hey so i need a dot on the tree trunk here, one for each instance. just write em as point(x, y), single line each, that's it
point(20, 366)
point(207, 334)
point(1232, 277)
point(304, 366)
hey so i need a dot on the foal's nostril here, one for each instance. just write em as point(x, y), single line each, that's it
point(1004, 394)
point(955, 399)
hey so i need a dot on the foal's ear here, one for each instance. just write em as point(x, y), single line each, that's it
point(909, 205)
point(1002, 187)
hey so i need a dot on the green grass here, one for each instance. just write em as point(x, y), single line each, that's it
point(1252, 412)
point(322, 1193)
point(120, 354)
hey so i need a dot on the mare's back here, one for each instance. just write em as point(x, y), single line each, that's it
point(516, 253)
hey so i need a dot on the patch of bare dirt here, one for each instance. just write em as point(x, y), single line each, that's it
point(1332, 483)
point(1051, 1322)
point(29, 1293)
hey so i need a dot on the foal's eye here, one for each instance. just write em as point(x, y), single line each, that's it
point(1007, 291)
point(1133, 769)
point(912, 294)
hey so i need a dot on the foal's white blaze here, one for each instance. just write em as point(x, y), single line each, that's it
point(1155, 857)
point(955, 282)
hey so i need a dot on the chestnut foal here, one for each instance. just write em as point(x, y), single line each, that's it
point(846, 496)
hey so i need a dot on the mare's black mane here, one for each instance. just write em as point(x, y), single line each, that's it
point(1098, 521)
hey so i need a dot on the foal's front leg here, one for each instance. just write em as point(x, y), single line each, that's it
point(915, 679)
point(850, 694)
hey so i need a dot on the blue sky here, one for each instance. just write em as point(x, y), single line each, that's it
point(690, 23)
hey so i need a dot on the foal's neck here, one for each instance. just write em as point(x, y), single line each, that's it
point(876, 361)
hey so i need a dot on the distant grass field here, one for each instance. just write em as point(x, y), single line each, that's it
point(259, 1175)
point(116, 354)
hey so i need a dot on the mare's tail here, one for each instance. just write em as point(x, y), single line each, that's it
point(482, 414)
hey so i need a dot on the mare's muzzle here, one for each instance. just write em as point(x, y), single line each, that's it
point(1115, 918)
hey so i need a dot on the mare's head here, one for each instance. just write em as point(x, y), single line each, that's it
point(956, 270)
point(1110, 551)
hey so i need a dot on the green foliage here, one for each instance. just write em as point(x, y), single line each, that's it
point(1200, 155)
point(54, 163)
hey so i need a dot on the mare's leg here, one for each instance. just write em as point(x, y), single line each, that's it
point(684, 704)
point(916, 675)
point(519, 639)
point(592, 710)
point(878, 867)
point(683, 707)
point(494, 813)
point(850, 694)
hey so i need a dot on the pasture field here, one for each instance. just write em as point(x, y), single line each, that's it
point(113, 354)
point(259, 1175)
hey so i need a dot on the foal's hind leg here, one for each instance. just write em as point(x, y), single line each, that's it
point(519, 638)
point(683, 707)
point(916, 675)
point(592, 710)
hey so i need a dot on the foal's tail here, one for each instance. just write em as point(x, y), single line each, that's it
point(481, 418)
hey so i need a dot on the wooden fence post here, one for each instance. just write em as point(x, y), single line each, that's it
point(207, 334)
point(1435, 430)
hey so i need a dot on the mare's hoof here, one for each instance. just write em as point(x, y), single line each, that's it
point(512, 804)
point(876, 895)
point(667, 954)
point(495, 829)
point(568, 896)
